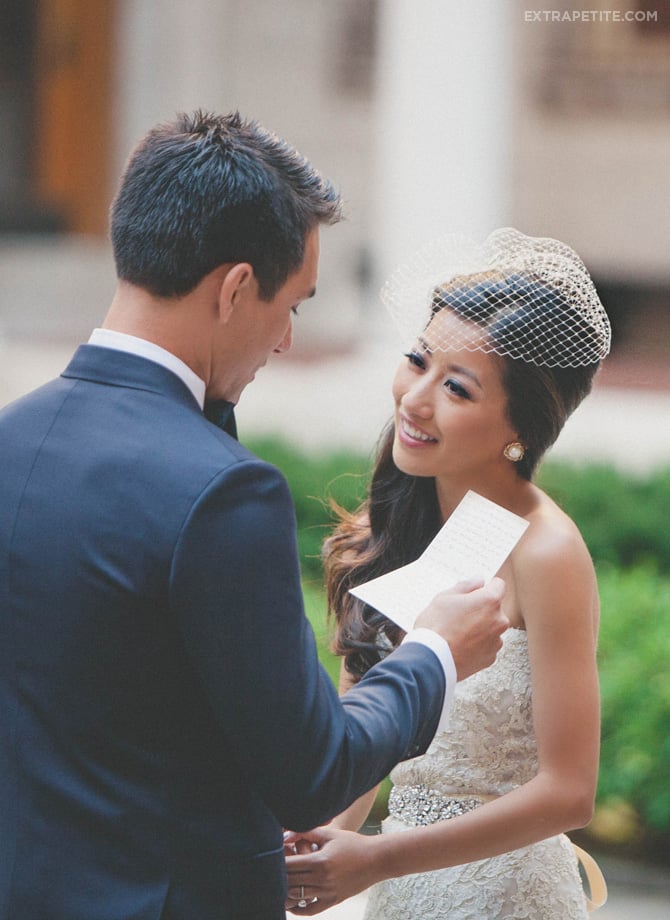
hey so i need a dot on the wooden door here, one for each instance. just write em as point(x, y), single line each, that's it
point(72, 114)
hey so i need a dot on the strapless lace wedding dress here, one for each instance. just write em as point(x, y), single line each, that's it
point(488, 750)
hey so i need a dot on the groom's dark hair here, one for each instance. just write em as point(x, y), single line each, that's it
point(207, 189)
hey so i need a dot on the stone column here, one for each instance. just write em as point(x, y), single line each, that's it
point(444, 99)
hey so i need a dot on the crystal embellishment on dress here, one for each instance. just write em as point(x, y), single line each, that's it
point(419, 805)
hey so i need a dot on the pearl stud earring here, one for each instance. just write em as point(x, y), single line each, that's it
point(514, 451)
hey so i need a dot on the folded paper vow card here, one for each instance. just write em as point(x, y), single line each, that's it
point(473, 543)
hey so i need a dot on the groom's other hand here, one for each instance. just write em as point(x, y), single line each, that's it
point(469, 616)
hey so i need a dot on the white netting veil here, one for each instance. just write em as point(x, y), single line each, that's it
point(530, 298)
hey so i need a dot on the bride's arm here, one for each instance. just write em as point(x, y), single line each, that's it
point(354, 817)
point(556, 588)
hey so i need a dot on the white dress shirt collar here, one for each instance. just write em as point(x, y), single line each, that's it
point(121, 341)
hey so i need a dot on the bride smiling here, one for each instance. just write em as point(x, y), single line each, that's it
point(510, 338)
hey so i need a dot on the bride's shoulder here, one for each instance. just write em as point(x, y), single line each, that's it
point(554, 577)
point(552, 541)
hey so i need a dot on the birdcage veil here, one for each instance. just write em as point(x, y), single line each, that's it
point(529, 298)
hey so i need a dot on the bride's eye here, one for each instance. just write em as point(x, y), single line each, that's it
point(415, 358)
point(457, 388)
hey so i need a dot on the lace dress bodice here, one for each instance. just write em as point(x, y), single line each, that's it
point(488, 749)
point(489, 746)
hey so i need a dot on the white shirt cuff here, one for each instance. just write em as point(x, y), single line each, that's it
point(440, 647)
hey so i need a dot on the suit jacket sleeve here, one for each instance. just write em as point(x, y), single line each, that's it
point(235, 589)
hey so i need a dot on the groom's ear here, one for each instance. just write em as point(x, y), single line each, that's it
point(238, 283)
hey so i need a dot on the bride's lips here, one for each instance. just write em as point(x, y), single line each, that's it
point(411, 435)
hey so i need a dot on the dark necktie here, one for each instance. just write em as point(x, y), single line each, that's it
point(221, 413)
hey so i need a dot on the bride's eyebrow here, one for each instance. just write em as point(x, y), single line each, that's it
point(424, 345)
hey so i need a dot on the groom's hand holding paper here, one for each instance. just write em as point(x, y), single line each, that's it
point(473, 544)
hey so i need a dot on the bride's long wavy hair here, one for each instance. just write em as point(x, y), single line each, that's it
point(401, 515)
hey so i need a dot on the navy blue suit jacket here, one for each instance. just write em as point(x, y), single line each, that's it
point(162, 710)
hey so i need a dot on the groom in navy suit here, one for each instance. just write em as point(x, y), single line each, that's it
point(162, 710)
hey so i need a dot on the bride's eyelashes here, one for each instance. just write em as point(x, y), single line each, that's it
point(457, 389)
point(417, 359)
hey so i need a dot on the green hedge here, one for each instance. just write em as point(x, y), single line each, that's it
point(624, 521)
point(313, 480)
point(634, 665)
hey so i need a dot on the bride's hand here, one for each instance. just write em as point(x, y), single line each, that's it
point(342, 866)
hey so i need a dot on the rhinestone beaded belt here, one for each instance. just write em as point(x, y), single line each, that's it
point(418, 805)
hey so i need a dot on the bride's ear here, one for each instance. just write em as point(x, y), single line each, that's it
point(237, 284)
